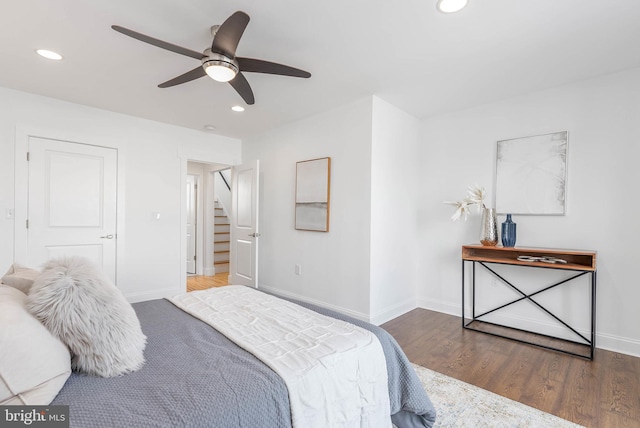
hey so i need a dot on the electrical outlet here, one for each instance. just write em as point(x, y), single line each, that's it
point(298, 270)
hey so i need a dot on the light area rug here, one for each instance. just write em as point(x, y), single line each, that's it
point(463, 405)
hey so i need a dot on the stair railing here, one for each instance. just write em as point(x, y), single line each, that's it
point(226, 183)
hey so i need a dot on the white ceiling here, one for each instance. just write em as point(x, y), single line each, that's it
point(420, 60)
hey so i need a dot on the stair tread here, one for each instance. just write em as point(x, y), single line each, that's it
point(220, 251)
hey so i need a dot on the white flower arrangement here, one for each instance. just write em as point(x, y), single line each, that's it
point(475, 196)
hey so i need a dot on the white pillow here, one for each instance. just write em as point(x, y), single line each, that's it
point(78, 304)
point(20, 277)
point(34, 365)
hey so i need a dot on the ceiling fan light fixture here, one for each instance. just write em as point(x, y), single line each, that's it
point(451, 6)
point(220, 70)
point(219, 61)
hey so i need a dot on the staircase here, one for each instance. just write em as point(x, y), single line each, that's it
point(221, 240)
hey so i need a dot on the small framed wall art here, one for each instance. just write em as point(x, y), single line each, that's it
point(531, 174)
point(313, 188)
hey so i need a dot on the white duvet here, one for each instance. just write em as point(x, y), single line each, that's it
point(335, 372)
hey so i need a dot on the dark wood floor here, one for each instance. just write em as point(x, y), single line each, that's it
point(603, 393)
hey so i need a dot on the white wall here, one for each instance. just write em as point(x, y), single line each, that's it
point(152, 162)
point(366, 265)
point(394, 207)
point(335, 265)
point(603, 120)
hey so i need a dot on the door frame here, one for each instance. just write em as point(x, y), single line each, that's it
point(211, 158)
point(205, 192)
point(197, 219)
point(21, 184)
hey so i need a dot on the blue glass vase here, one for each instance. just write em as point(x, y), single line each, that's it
point(508, 232)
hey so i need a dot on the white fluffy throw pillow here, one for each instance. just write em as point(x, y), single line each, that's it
point(79, 305)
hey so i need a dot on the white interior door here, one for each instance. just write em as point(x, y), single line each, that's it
point(243, 266)
point(192, 212)
point(72, 202)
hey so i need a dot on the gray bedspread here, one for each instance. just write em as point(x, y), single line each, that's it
point(196, 377)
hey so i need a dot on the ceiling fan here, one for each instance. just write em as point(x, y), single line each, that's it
point(220, 61)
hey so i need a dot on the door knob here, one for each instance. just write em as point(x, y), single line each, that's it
point(107, 237)
point(254, 235)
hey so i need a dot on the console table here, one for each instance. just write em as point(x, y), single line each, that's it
point(579, 262)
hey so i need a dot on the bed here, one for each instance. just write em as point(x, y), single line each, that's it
point(195, 377)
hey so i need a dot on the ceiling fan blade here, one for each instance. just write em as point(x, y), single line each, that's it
point(241, 86)
point(184, 78)
point(228, 35)
point(260, 66)
point(159, 43)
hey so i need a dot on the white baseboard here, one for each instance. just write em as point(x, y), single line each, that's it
point(377, 319)
point(619, 344)
point(210, 271)
point(393, 312)
point(349, 312)
point(439, 306)
point(605, 341)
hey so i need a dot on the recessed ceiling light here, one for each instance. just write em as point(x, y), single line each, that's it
point(451, 6)
point(237, 108)
point(49, 54)
point(210, 127)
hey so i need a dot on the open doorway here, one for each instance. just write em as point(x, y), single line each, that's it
point(208, 199)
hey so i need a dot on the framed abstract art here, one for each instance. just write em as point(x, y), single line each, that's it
point(531, 174)
point(313, 180)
